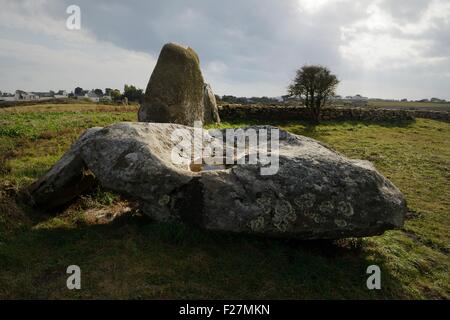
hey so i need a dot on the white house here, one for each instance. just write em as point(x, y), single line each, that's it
point(44, 95)
point(93, 96)
point(106, 98)
point(61, 94)
point(7, 97)
point(25, 96)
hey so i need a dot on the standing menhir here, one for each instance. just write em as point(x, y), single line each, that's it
point(175, 92)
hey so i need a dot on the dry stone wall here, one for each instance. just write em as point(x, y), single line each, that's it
point(286, 113)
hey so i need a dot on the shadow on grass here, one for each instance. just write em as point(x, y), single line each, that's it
point(133, 257)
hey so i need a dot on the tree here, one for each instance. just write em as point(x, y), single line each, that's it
point(314, 85)
point(234, 100)
point(115, 95)
point(133, 94)
point(78, 91)
point(98, 92)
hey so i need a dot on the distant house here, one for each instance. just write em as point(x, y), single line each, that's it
point(437, 100)
point(93, 96)
point(61, 94)
point(7, 97)
point(48, 95)
point(83, 94)
point(357, 100)
point(21, 95)
point(25, 96)
point(44, 95)
point(106, 98)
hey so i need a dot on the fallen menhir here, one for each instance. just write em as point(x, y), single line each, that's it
point(316, 194)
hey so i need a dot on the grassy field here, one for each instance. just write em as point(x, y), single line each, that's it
point(132, 257)
point(437, 106)
point(408, 104)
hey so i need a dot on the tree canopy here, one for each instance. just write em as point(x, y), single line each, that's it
point(133, 94)
point(314, 84)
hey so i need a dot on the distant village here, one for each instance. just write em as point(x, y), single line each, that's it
point(96, 95)
point(131, 93)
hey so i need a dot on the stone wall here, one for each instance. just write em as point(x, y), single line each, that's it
point(286, 113)
point(436, 115)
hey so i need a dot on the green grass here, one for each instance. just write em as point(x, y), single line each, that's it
point(132, 257)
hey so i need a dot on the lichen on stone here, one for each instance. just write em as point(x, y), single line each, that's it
point(345, 208)
point(164, 200)
point(265, 203)
point(319, 219)
point(340, 223)
point(326, 207)
point(257, 224)
point(305, 201)
point(284, 215)
point(283, 207)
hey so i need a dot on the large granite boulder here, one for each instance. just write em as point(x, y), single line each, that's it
point(176, 92)
point(316, 193)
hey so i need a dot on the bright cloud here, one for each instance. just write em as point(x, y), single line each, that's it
point(381, 41)
point(313, 6)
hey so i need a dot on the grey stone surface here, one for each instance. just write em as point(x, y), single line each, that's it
point(176, 92)
point(316, 194)
point(211, 110)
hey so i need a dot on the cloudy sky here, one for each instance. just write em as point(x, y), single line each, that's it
point(378, 48)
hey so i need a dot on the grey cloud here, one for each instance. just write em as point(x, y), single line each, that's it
point(406, 10)
point(249, 45)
